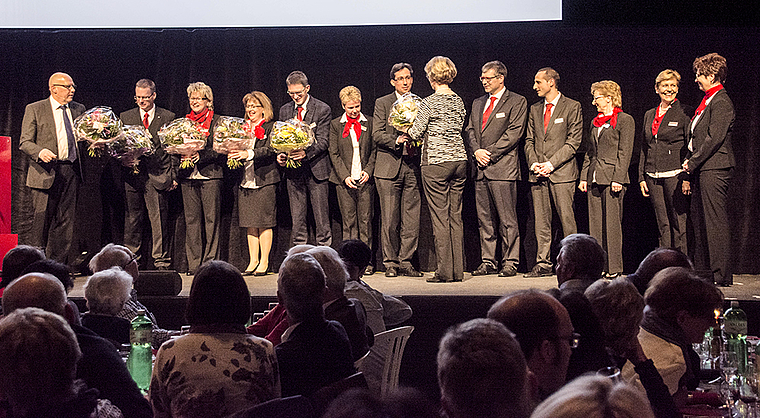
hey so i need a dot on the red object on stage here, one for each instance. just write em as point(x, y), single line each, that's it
point(7, 240)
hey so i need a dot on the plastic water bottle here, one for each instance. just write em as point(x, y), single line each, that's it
point(140, 361)
point(735, 334)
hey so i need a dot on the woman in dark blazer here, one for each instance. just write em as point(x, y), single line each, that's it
point(661, 177)
point(202, 183)
point(710, 161)
point(353, 153)
point(257, 209)
point(605, 171)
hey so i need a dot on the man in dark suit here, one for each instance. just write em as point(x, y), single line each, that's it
point(314, 352)
point(397, 174)
point(149, 188)
point(55, 170)
point(555, 131)
point(311, 178)
point(497, 123)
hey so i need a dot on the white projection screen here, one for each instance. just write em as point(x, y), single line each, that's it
point(90, 14)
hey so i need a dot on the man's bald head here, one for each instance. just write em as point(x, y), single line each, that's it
point(61, 87)
point(35, 290)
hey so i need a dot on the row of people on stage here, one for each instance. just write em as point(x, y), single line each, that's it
point(680, 156)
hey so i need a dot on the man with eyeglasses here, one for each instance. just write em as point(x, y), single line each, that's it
point(545, 332)
point(55, 170)
point(311, 178)
point(397, 176)
point(150, 187)
point(497, 124)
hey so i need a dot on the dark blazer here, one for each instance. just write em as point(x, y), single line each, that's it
point(316, 354)
point(266, 169)
point(38, 132)
point(388, 160)
point(342, 150)
point(210, 163)
point(610, 154)
point(317, 116)
point(158, 166)
point(503, 131)
point(668, 150)
point(352, 315)
point(112, 328)
point(102, 368)
point(560, 142)
point(711, 137)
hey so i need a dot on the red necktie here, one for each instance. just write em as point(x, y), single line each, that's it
point(145, 120)
point(488, 111)
point(298, 113)
point(547, 115)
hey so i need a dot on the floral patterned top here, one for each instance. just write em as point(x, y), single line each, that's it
point(213, 375)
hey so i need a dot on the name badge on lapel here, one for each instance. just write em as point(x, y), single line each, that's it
point(559, 120)
point(674, 123)
point(500, 115)
point(313, 125)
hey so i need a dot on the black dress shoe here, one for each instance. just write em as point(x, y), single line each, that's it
point(539, 271)
point(508, 271)
point(391, 271)
point(409, 272)
point(484, 268)
point(369, 271)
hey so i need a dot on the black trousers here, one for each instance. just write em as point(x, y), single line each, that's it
point(54, 214)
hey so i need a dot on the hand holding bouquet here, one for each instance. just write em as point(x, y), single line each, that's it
point(403, 113)
point(129, 147)
point(291, 135)
point(230, 135)
point(182, 136)
point(99, 126)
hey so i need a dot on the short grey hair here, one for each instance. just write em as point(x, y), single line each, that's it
point(107, 291)
point(619, 307)
point(334, 267)
point(112, 255)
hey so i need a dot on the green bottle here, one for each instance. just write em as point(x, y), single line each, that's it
point(735, 334)
point(140, 361)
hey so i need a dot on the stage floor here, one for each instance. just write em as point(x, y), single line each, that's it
point(746, 286)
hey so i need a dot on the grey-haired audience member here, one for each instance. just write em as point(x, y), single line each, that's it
point(106, 293)
point(580, 262)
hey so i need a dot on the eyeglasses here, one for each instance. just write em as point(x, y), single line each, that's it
point(404, 78)
point(143, 97)
point(574, 339)
point(67, 86)
point(597, 98)
point(131, 259)
point(197, 99)
point(252, 106)
point(297, 93)
point(484, 78)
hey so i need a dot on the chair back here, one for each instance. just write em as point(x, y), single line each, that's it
point(382, 365)
point(360, 360)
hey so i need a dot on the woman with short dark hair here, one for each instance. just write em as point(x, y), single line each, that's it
point(217, 369)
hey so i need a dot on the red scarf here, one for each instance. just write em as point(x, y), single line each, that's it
point(601, 119)
point(356, 125)
point(708, 94)
point(256, 131)
point(658, 118)
point(204, 119)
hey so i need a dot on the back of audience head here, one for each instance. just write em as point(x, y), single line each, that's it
point(107, 291)
point(300, 248)
point(16, 260)
point(677, 296)
point(38, 356)
point(36, 290)
point(655, 261)
point(114, 255)
point(482, 372)
point(357, 256)
point(595, 397)
point(580, 257)
point(619, 307)
point(59, 270)
point(301, 286)
point(333, 267)
point(218, 295)
point(401, 403)
point(544, 329)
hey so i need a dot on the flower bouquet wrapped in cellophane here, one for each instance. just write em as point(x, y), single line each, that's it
point(134, 142)
point(291, 135)
point(184, 137)
point(230, 135)
point(98, 126)
point(403, 113)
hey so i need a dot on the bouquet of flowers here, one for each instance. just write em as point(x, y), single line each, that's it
point(129, 147)
point(289, 136)
point(99, 126)
point(230, 135)
point(403, 113)
point(184, 137)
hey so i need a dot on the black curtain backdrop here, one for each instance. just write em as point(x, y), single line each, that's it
point(105, 64)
